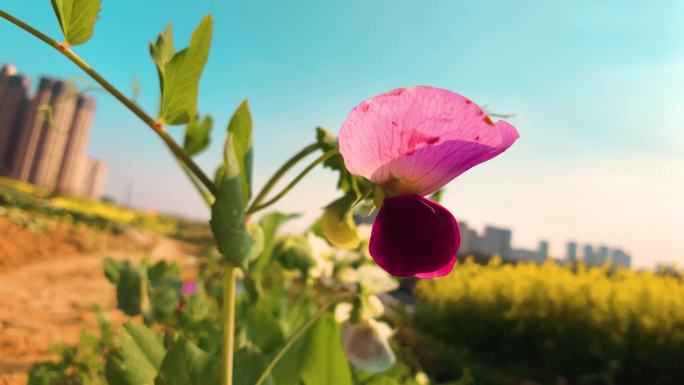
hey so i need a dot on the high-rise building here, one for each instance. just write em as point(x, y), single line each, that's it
point(94, 178)
point(31, 132)
point(619, 258)
point(543, 250)
point(571, 252)
point(496, 241)
point(74, 168)
point(59, 115)
point(13, 102)
point(43, 138)
point(602, 255)
point(589, 256)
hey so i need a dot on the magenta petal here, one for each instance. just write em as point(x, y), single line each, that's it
point(414, 236)
point(415, 140)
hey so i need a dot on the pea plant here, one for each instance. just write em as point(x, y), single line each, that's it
point(285, 309)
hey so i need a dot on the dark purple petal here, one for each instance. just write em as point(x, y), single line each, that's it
point(414, 236)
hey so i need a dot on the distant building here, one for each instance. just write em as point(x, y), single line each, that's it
point(589, 256)
point(496, 241)
point(43, 138)
point(543, 250)
point(13, 102)
point(571, 252)
point(74, 165)
point(602, 255)
point(620, 258)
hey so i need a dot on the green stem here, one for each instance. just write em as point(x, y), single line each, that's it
point(297, 335)
point(148, 120)
point(256, 207)
point(280, 172)
point(229, 283)
point(206, 196)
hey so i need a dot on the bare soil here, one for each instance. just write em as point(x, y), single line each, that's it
point(49, 282)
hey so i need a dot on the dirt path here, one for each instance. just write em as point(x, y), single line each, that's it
point(49, 302)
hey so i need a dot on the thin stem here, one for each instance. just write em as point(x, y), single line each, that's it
point(206, 196)
point(254, 208)
point(132, 106)
point(280, 172)
point(297, 335)
point(229, 283)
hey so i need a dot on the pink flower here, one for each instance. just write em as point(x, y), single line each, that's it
point(411, 142)
point(189, 288)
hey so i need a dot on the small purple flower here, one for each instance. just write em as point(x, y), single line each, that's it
point(189, 288)
point(411, 142)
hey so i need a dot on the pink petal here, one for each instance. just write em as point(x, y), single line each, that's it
point(414, 236)
point(416, 140)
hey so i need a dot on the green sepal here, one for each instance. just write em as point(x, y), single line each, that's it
point(227, 212)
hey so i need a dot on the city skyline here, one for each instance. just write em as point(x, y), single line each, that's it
point(43, 137)
point(498, 241)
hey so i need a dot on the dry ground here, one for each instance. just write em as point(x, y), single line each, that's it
point(46, 297)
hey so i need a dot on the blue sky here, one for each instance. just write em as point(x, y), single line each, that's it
point(597, 88)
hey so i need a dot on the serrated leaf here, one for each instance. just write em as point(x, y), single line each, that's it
point(227, 212)
point(137, 359)
point(187, 364)
point(241, 127)
point(77, 19)
point(337, 223)
point(197, 135)
point(181, 77)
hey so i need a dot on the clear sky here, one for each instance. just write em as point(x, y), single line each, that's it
point(597, 88)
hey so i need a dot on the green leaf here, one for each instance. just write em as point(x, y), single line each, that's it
point(187, 364)
point(241, 127)
point(294, 253)
point(197, 135)
point(129, 290)
point(162, 51)
point(250, 364)
point(76, 19)
point(112, 269)
point(263, 328)
point(181, 77)
point(337, 222)
point(270, 224)
point(383, 380)
point(227, 212)
point(324, 359)
point(138, 358)
point(256, 233)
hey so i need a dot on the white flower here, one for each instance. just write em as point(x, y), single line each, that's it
point(366, 345)
point(320, 252)
point(375, 280)
point(343, 312)
point(373, 309)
